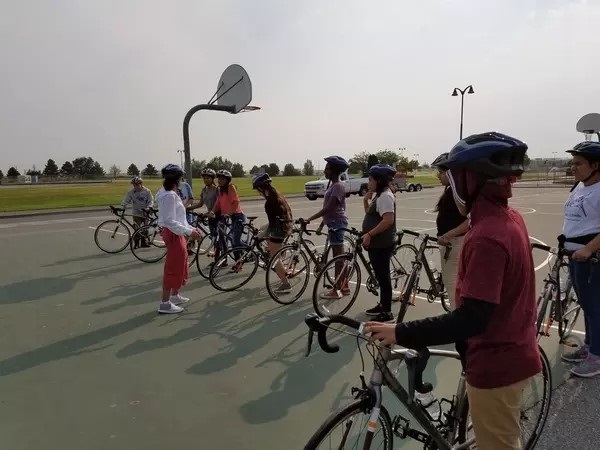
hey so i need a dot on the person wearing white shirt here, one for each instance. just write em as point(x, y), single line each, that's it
point(175, 228)
point(581, 233)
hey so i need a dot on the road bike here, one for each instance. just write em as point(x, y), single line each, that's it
point(557, 303)
point(436, 288)
point(296, 258)
point(366, 423)
point(118, 232)
point(343, 271)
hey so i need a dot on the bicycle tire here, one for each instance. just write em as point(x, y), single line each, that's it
point(407, 291)
point(541, 419)
point(331, 262)
point(154, 230)
point(204, 270)
point(339, 417)
point(542, 308)
point(118, 224)
point(270, 272)
point(570, 308)
point(217, 266)
point(397, 267)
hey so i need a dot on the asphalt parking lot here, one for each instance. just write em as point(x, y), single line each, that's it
point(86, 363)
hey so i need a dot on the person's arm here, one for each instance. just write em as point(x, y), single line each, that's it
point(387, 210)
point(328, 205)
point(150, 201)
point(457, 231)
point(368, 196)
point(168, 212)
point(127, 199)
point(235, 203)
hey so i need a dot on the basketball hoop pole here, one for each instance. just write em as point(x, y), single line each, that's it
point(186, 133)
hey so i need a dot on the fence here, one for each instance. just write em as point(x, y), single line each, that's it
point(546, 178)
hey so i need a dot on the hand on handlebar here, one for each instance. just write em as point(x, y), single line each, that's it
point(195, 235)
point(444, 239)
point(382, 332)
point(583, 254)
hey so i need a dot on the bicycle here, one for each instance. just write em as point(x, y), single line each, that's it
point(436, 284)
point(348, 265)
point(214, 244)
point(117, 227)
point(449, 430)
point(564, 307)
point(298, 256)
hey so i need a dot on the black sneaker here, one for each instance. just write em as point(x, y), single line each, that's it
point(374, 311)
point(384, 316)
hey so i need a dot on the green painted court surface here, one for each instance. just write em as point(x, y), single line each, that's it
point(86, 363)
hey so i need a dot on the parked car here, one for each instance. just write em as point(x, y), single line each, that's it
point(353, 185)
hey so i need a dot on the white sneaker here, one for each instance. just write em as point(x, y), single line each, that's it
point(169, 308)
point(178, 299)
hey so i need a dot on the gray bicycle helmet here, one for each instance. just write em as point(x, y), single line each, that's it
point(224, 174)
point(208, 172)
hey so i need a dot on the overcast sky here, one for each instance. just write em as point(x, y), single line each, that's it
point(113, 79)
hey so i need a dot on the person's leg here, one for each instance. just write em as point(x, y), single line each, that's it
point(336, 242)
point(171, 272)
point(274, 244)
point(495, 414)
point(588, 283)
point(380, 261)
point(579, 281)
point(450, 267)
point(237, 229)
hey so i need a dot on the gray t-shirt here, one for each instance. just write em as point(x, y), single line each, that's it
point(209, 197)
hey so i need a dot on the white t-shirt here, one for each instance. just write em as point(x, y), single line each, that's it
point(385, 202)
point(582, 213)
point(171, 213)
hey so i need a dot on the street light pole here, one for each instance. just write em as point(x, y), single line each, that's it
point(180, 151)
point(467, 90)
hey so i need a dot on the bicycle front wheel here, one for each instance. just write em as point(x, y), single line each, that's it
point(112, 236)
point(535, 404)
point(234, 269)
point(296, 265)
point(147, 244)
point(341, 280)
point(570, 309)
point(347, 428)
point(205, 255)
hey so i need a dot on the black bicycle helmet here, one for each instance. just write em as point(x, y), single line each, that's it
point(260, 179)
point(172, 171)
point(384, 171)
point(491, 154)
point(440, 161)
point(588, 149)
point(224, 174)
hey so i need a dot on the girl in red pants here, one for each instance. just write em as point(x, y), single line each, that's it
point(175, 228)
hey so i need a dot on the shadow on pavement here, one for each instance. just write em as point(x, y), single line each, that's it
point(73, 346)
point(39, 288)
point(218, 310)
point(96, 257)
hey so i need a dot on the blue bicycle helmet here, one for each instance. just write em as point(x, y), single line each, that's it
point(440, 161)
point(260, 179)
point(338, 162)
point(172, 171)
point(587, 149)
point(382, 171)
point(491, 154)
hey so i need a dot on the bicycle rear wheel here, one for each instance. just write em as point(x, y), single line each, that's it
point(347, 428)
point(297, 267)
point(204, 255)
point(112, 236)
point(234, 269)
point(348, 270)
point(535, 405)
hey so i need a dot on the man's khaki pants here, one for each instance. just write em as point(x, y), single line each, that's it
point(450, 267)
point(495, 414)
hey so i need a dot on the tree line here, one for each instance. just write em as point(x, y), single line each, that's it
point(85, 167)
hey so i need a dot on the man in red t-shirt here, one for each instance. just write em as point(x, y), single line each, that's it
point(493, 324)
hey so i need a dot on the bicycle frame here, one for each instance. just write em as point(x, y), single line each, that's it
point(436, 289)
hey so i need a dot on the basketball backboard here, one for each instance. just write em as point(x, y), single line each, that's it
point(589, 124)
point(234, 88)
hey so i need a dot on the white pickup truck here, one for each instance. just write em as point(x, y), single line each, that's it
point(316, 189)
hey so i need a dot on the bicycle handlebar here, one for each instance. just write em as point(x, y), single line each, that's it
point(561, 252)
point(423, 236)
point(416, 361)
